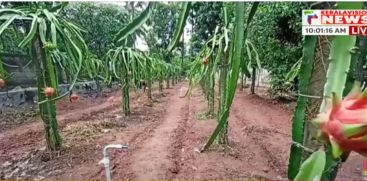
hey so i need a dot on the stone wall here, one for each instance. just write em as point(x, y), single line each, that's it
point(21, 69)
point(19, 96)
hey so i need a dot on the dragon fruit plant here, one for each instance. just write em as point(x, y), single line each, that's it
point(344, 123)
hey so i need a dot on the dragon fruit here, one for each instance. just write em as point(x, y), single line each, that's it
point(344, 124)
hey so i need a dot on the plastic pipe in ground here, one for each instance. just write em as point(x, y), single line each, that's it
point(106, 160)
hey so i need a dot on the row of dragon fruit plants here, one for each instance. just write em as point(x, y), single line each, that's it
point(341, 121)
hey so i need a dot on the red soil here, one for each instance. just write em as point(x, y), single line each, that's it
point(164, 140)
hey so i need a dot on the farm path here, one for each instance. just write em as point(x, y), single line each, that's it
point(164, 140)
point(153, 160)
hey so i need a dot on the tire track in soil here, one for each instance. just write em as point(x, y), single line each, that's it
point(154, 159)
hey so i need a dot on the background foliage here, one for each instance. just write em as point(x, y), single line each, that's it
point(276, 32)
point(162, 24)
point(101, 21)
point(204, 17)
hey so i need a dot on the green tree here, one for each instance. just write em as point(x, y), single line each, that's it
point(94, 19)
point(279, 25)
point(162, 24)
point(204, 18)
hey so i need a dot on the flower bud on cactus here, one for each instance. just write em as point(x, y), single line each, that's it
point(344, 124)
point(205, 61)
point(49, 91)
point(2, 83)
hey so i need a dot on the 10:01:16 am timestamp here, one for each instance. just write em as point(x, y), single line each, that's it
point(319, 30)
point(324, 30)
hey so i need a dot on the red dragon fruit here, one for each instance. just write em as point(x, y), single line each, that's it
point(344, 124)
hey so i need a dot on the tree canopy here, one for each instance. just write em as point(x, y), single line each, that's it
point(101, 22)
point(276, 32)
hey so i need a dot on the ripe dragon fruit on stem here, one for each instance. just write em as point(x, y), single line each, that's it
point(344, 124)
